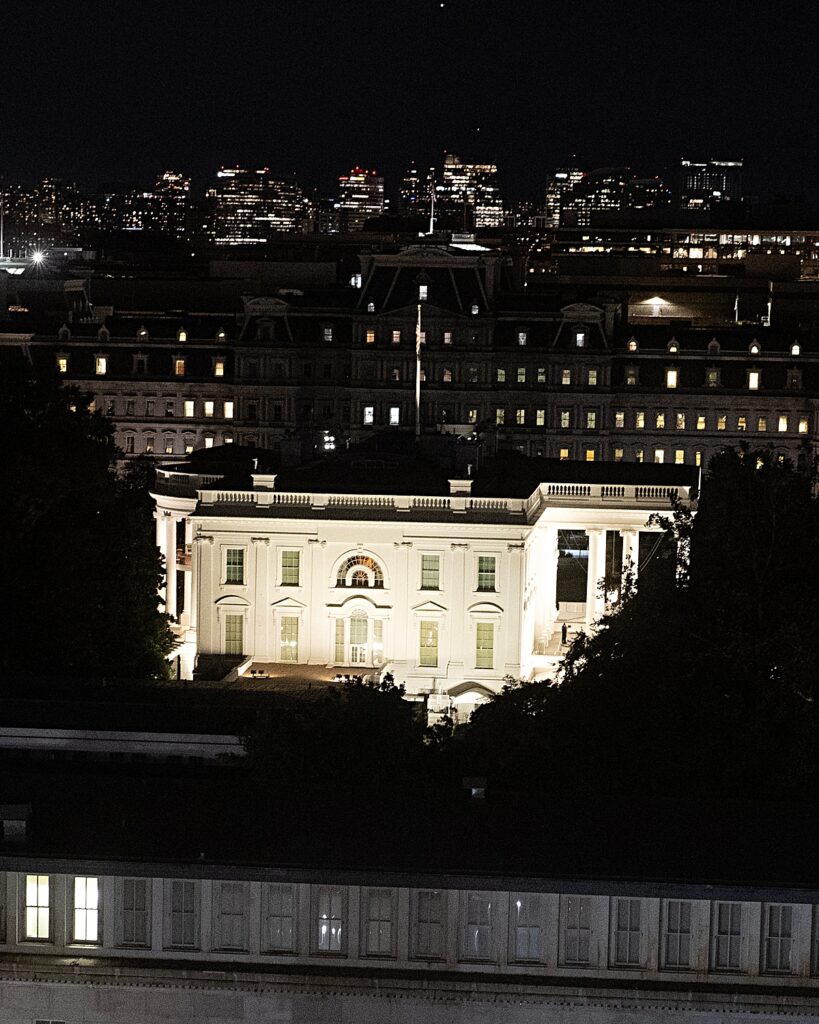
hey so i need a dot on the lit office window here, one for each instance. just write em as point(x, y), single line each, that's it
point(85, 925)
point(618, 454)
point(592, 378)
point(639, 420)
point(234, 634)
point(484, 645)
point(803, 424)
point(430, 572)
point(523, 337)
point(590, 455)
point(447, 337)
point(540, 417)
point(722, 422)
point(486, 572)
point(659, 455)
point(753, 380)
point(370, 337)
point(101, 365)
point(680, 420)
point(591, 420)
point(428, 645)
point(762, 424)
point(188, 407)
point(521, 375)
point(369, 415)
point(620, 418)
point(396, 337)
point(38, 907)
point(62, 364)
point(520, 417)
point(395, 416)
point(671, 378)
point(500, 376)
point(700, 422)
point(289, 638)
point(179, 367)
point(235, 565)
point(209, 408)
point(742, 423)
point(291, 567)
point(782, 424)
point(566, 376)
point(565, 418)
point(218, 368)
point(660, 421)
point(500, 417)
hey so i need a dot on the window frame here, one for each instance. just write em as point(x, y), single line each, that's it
point(218, 916)
point(120, 938)
point(168, 941)
point(75, 910)
point(25, 934)
point(331, 892)
point(271, 891)
point(390, 895)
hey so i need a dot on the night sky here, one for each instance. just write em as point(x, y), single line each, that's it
point(125, 88)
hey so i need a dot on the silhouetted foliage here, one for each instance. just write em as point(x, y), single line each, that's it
point(82, 570)
point(702, 679)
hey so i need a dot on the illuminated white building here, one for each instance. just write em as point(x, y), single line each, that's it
point(253, 205)
point(452, 593)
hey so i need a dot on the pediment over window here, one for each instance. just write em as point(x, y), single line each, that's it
point(357, 602)
point(288, 602)
point(232, 601)
point(582, 311)
point(429, 606)
point(485, 608)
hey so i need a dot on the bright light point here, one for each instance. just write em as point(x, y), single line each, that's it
point(37, 256)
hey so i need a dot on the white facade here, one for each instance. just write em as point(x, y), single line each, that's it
point(451, 594)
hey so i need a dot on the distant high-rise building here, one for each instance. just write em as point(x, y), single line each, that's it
point(416, 188)
point(253, 205)
point(701, 185)
point(559, 187)
point(472, 189)
point(360, 198)
point(172, 204)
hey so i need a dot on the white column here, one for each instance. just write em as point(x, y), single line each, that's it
point(596, 571)
point(513, 619)
point(550, 554)
point(459, 637)
point(631, 550)
point(170, 564)
point(160, 543)
point(187, 610)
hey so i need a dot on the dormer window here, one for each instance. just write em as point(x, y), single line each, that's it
point(673, 346)
point(370, 307)
point(64, 333)
point(142, 334)
point(181, 334)
point(221, 336)
point(796, 348)
point(713, 347)
point(754, 348)
point(423, 291)
point(632, 345)
point(580, 337)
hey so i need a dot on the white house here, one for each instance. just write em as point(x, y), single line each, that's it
point(451, 592)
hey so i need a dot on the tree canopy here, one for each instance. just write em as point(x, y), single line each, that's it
point(81, 566)
point(704, 677)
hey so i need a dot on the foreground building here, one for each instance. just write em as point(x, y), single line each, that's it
point(451, 591)
point(499, 910)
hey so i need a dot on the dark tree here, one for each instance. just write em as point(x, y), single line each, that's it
point(82, 570)
point(704, 678)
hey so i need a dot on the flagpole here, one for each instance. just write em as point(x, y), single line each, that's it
point(418, 375)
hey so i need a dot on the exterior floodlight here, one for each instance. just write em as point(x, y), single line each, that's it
point(37, 256)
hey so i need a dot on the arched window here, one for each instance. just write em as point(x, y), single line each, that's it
point(360, 571)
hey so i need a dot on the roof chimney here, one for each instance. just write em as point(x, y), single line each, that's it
point(462, 487)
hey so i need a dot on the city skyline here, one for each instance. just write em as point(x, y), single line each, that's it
point(524, 90)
